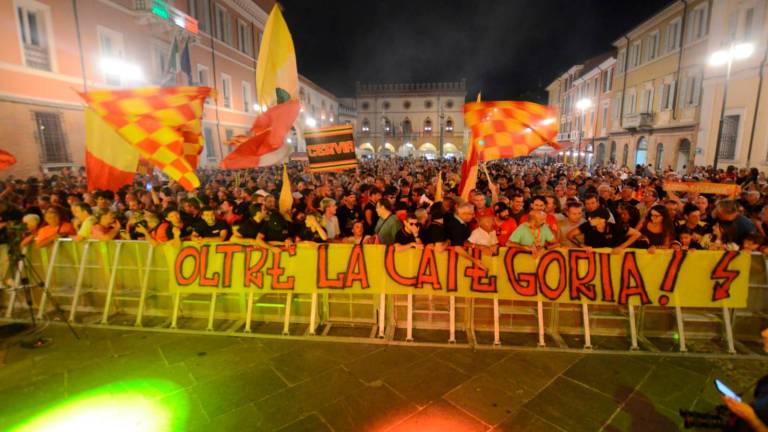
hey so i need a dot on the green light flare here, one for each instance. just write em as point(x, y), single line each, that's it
point(136, 405)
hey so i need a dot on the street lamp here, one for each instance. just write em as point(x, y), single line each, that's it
point(582, 105)
point(726, 57)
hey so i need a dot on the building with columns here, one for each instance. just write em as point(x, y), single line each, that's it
point(414, 119)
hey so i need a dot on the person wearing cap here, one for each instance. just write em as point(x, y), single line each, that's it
point(347, 212)
point(600, 233)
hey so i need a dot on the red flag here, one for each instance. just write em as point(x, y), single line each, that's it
point(263, 146)
point(6, 159)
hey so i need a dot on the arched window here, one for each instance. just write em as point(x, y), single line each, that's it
point(599, 159)
point(641, 155)
point(407, 126)
point(387, 126)
point(366, 126)
point(613, 152)
point(449, 126)
point(427, 126)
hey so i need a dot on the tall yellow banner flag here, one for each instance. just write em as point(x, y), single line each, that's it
point(286, 199)
point(276, 77)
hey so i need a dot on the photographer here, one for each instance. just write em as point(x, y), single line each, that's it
point(752, 416)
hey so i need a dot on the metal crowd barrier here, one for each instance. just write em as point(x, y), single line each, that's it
point(124, 284)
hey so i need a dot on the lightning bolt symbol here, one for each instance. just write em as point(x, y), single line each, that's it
point(721, 289)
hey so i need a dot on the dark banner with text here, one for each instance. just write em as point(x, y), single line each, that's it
point(665, 278)
point(331, 148)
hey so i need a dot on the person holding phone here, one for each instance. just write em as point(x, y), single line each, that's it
point(754, 416)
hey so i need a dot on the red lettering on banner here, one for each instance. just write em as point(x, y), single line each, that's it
point(322, 270)
point(546, 260)
point(276, 271)
point(228, 250)
point(606, 281)
point(480, 281)
point(389, 265)
point(356, 270)
point(580, 284)
point(453, 261)
point(206, 281)
point(629, 272)
point(670, 276)
point(253, 273)
point(428, 269)
point(721, 290)
point(523, 283)
point(184, 253)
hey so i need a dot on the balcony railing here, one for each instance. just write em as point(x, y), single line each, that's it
point(37, 57)
point(638, 121)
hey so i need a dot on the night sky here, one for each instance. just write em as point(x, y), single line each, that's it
point(509, 49)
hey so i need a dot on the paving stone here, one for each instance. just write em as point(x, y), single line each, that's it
point(557, 404)
point(300, 364)
point(639, 414)
point(310, 423)
point(204, 367)
point(285, 406)
point(375, 407)
point(381, 362)
point(426, 380)
point(524, 374)
point(483, 398)
point(470, 361)
point(440, 416)
point(181, 347)
point(615, 376)
point(672, 387)
point(232, 390)
point(523, 420)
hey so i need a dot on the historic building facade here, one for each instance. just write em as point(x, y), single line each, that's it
point(57, 48)
point(415, 119)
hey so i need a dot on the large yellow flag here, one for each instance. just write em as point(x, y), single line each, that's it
point(276, 66)
point(110, 160)
point(285, 203)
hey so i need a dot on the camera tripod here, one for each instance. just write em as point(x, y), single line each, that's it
point(25, 277)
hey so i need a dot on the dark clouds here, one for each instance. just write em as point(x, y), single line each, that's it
point(506, 49)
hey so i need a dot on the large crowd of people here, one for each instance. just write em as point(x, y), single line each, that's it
point(521, 203)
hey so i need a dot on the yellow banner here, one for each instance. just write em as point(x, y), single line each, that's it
point(703, 187)
point(665, 278)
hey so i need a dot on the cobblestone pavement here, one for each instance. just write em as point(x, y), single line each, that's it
point(231, 383)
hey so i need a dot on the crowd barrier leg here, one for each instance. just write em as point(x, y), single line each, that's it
point(409, 320)
point(728, 330)
point(382, 314)
point(540, 318)
point(452, 319)
point(111, 287)
point(287, 321)
point(79, 283)
point(211, 312)
point(16, 285)
point(248, 312)
point(48, 277)
point(175, 313)
point(632, 327)
point(680, 328)
point(313, 315)
point(587, 330)
point(496, 331)
point(144, 287)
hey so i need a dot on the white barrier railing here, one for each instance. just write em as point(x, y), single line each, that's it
point(95, 282)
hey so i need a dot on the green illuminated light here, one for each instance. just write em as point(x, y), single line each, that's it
point(118, 407)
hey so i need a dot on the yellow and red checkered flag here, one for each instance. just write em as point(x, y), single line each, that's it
point(164, 124)
point(510, 129)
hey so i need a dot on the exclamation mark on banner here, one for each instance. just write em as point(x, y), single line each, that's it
point(670, 276)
